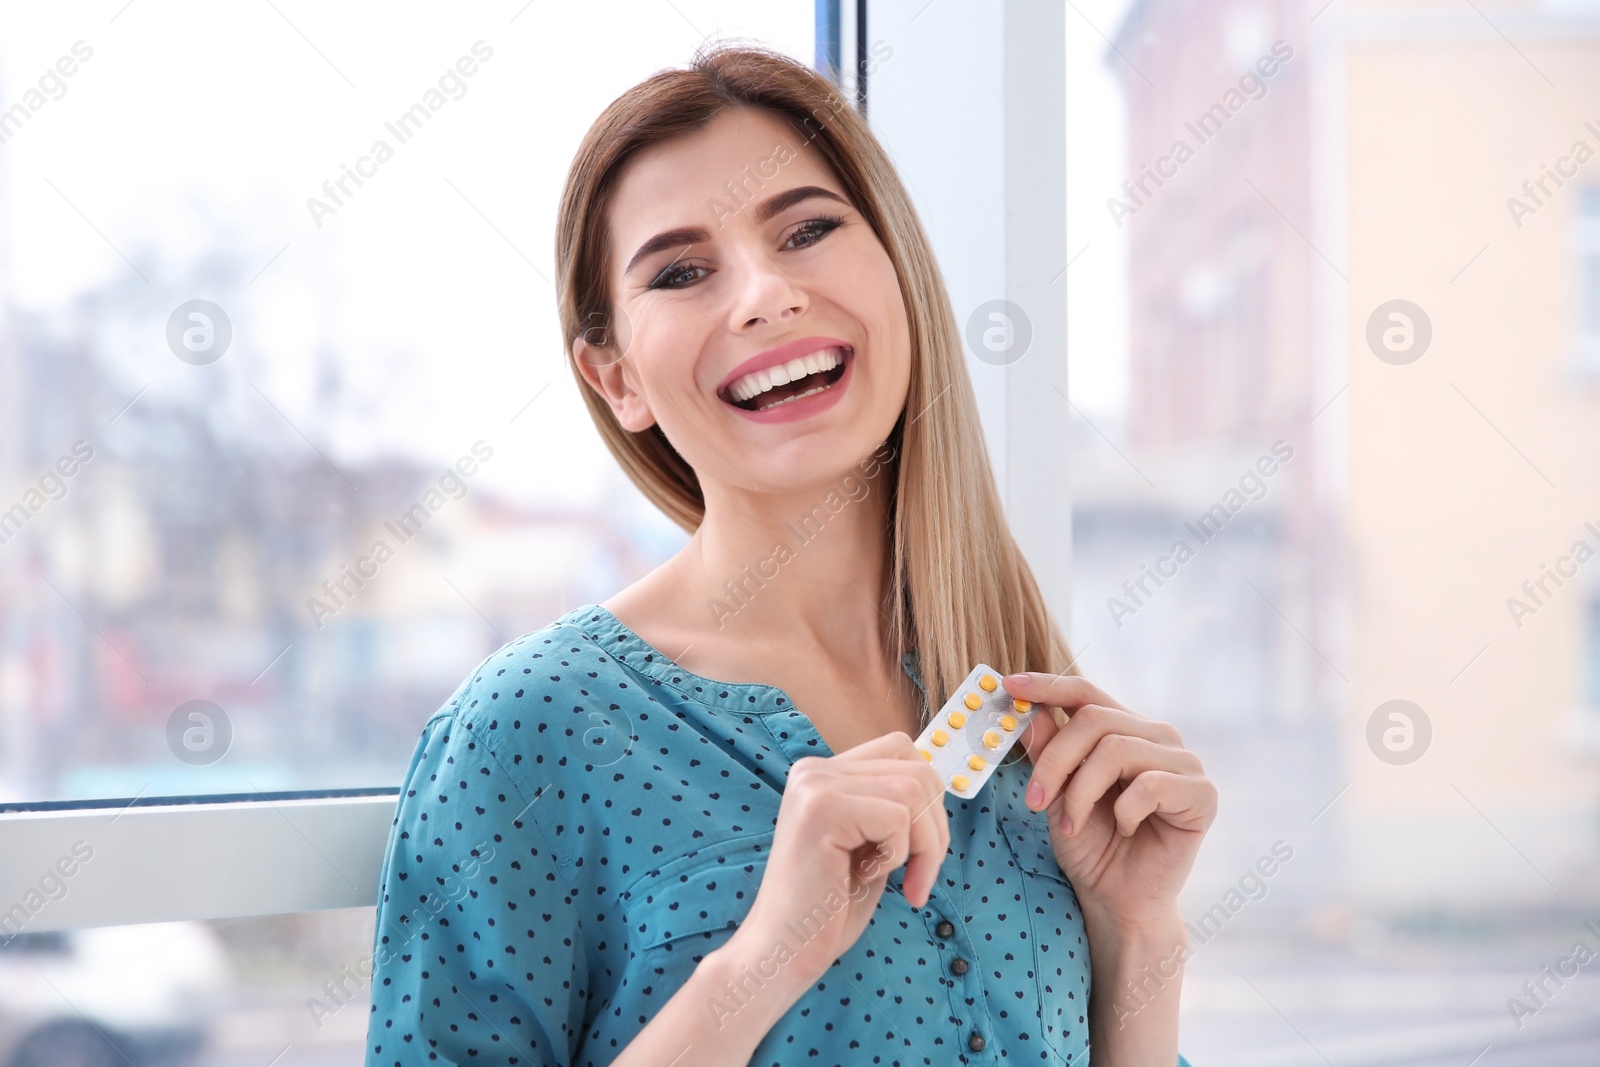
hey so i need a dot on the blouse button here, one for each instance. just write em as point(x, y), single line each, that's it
point(944, 929)
point(975, 1041)
point(958, 965)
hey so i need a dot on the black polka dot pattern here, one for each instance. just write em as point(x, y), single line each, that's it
point(584, 821)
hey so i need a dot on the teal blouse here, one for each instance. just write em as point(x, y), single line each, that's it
point(584, 820)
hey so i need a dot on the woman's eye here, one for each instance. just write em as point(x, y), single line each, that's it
point(814, 229)
point(808, 233)
point(674, 276)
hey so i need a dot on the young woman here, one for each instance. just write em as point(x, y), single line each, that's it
point(690, 825)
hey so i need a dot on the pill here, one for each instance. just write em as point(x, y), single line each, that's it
point(969, 738)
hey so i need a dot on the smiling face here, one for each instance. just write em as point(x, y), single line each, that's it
point(759, 317)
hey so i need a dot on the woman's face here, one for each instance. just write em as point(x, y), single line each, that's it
point(738, 265)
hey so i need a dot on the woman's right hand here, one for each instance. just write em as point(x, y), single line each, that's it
point(845, 823)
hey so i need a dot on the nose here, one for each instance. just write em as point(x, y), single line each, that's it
point(763, 293)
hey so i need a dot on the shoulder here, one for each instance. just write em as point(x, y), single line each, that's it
point(546, 701)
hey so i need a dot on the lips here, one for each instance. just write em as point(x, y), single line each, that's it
point(790, 383)
point(782, 354)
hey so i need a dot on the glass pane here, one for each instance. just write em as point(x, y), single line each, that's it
point(1332, 304)
point(287, 443)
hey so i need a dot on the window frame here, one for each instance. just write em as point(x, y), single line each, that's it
point(163, 859)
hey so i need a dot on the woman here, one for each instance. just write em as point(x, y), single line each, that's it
point(622, 841)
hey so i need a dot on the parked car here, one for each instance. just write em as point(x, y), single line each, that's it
point(109, 996)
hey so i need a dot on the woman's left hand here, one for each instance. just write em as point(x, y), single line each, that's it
point(1128, 803)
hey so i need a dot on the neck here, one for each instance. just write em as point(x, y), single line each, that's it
point(809, 569)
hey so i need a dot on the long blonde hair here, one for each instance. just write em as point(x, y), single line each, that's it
point(966, 594)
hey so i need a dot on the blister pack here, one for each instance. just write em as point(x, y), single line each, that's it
point(969, 737)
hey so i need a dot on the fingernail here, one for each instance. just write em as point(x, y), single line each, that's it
point(1066, 823)
point(1035, 795)
point(1017, 679)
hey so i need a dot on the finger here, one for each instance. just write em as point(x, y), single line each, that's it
point(850, 822)
point(1037, 734)
point(1073, 742)
point(928, 818)
point(915, 844)
point(915, 770)
point(1186, 801)
point(1119, 758)
point(1062, 690)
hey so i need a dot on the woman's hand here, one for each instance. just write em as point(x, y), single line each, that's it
point(1128, 803)
point(846, 822)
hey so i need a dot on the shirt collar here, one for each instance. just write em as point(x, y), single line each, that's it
point(639, 656)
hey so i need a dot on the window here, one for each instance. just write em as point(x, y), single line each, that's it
point(287, 443)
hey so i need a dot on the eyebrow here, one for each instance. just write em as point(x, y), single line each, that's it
point(690, 235)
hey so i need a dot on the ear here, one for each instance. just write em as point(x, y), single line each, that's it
point(612, 376)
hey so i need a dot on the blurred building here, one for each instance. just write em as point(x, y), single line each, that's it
point(187, 560)
point(1294, 168)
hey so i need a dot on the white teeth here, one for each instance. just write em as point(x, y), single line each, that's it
point(752, 385)
point(791, 399)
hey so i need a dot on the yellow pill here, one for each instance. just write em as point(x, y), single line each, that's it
point(940, 738)
point(991, 739)
point(987, 683)
point(977, 762)
point(926, 754)
point(1008, 723)
point(960, 783)
point(958, 719)
point(1021, 705)
point(974, 701)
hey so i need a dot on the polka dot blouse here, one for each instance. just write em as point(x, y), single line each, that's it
point(584, 821)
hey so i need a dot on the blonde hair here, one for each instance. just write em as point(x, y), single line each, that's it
point(966, 594)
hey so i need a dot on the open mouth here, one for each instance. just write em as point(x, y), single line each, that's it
point(789, 382)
